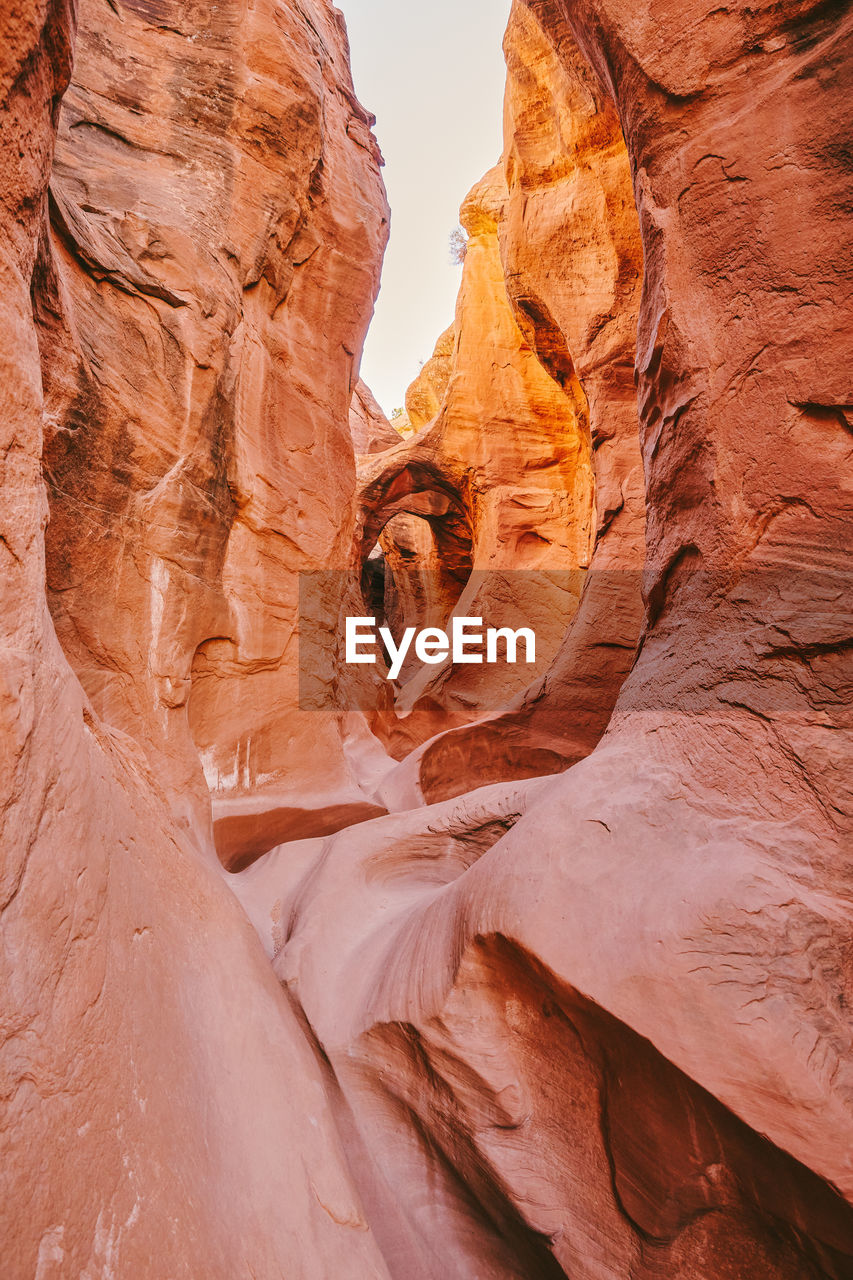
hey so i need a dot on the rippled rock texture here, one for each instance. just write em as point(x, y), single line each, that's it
point(569, 201)
point(605, 1018)
point(593, 1023)
point(371, 431)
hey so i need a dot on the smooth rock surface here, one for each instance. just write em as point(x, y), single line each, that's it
point(425, 396)
point(370, 429)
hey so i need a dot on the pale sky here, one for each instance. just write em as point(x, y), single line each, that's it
point(434, 78)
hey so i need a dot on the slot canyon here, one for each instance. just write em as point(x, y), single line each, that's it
point(492, 972)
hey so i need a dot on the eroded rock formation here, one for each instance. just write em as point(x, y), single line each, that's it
point(565, 151)
point(531, 990)
point(594, 1025)
point(503, 472)
point(425, 396)
point(370, 429)
point(162, 1110)
point(218, 219)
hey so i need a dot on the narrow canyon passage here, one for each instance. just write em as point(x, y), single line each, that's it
point(499, 969)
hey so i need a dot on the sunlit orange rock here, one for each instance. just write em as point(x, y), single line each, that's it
point(594, 1025)
point(503, 478)
point(425, 396)
point(572, 256)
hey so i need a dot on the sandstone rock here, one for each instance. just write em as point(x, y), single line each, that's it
point(417, 590)
point(370, 429)
point(564, 151)
point(605, 1018)
point(218, 226)
point(594, 1025)
point(162, 1112)
point(425, 396)
point(554, 1139)
point(504, 479)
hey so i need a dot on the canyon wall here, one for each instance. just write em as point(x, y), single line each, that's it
point(162, 1110)
point(565, 151)
point(605, 1017)
point(370, 430)
point(502, 479)
point(217, 228)
point(425, 396)
point(593, 1024)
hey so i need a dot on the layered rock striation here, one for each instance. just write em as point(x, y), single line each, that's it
point(565, 151)
point(370, 429)
point(501, 481)
point(649, 953)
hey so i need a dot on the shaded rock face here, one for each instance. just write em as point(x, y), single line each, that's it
point(370, 429)
point(594, 1025)
point(162, 1112)
point(217, 227)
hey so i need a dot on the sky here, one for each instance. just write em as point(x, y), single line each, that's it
point(434, 78)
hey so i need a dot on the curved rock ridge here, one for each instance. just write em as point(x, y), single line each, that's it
point(425, 396)
point(370, 429)
point(565, 151)
point(554, 1139)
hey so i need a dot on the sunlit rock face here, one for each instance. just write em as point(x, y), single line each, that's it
point(504, 472)
point(217, 228)
point(572, 258)
point(425, 396)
